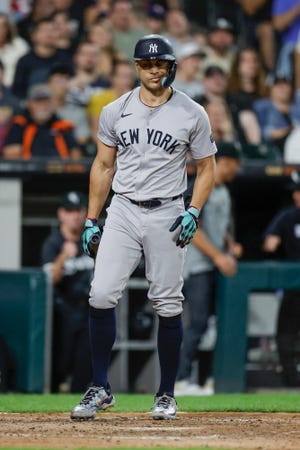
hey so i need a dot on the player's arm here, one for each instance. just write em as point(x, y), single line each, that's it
point(12, 151)
point(271, 243)
point(101, 176)
point(272, 236)
point(203, 185)
point(204, 181)
point(282, 21)
point(251, 6)
point(225, 262)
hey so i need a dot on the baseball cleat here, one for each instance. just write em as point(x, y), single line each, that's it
point(184, 387)
point(164, 407)
point(95, 399)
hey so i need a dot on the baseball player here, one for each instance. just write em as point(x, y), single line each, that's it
point(143, 140)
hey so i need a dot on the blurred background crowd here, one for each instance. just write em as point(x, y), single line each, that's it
point(61, 61)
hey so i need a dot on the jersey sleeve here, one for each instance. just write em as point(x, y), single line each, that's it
point(280, 7)
point(202, 143)
point(106, 130)
point(276, 226)
point(14, 135)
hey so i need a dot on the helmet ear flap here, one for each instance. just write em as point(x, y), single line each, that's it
point(167, 81)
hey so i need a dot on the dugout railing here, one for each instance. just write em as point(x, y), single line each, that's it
point(232, 309)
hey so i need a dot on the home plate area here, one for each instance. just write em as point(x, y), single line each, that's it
point(264, 431)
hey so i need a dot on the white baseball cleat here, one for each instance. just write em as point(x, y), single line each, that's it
point(184, 387)
point(95, 399)
point(164, 407)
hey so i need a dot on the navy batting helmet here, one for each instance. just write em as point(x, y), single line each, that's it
point(155, 46)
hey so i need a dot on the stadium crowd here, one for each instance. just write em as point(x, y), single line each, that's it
point(240, 59)
point(62, 61)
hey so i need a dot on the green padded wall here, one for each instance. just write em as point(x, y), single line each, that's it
point(232, 304)
point(23, 315)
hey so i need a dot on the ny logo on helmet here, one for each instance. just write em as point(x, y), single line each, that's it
point(153, 48)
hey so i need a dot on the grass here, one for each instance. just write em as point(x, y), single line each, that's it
point(56, 403)
point(266, 402)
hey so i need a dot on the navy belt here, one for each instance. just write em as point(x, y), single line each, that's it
point(153, 203)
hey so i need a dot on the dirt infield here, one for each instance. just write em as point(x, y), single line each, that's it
point(278, 431)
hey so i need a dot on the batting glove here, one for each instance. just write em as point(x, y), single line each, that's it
point(188, 224)
point(91, 236)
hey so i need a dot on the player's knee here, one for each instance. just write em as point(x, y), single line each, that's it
point(168, 308)
point(100, 298)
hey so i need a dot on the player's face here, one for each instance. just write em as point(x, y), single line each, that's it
point(72, 219)
point(151, 72)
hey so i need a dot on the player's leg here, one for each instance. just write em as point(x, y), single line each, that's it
point(164, 264)
point(199, 291)
point(81, 353)
point(118, 255)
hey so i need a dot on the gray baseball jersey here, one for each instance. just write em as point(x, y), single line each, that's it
point(151, 163)
point(152, 144)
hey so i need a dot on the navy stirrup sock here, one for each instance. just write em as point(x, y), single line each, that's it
point(168, 343)
point(102, 327)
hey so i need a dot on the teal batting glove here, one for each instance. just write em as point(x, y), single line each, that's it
point(91, 237)
point(188, 223)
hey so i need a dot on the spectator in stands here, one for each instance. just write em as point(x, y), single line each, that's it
point(178, 28)
point(63, 5)
point(220, 50)
point(75, 9)
point(12, 47)
point(213, 249)
point(38, 132)
point(278, 114)
point(40, 9)
point(221, 121)
point(125, 27)
point(33, 67)
point(16, 9)
point(283, 234)
point(59, 79)
point(247, 79)
point(66, 37)
point(155, 19)
point(100, 35)
point(258, 30)
point(95, 11)
point(189, 58)
point(71, 271)
point(9, 105)
point(123, 80)
point(215, 82)
point(286, 20)
point(86, 80)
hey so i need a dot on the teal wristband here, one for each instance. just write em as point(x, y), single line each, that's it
point(91, 223)
point(194, 211)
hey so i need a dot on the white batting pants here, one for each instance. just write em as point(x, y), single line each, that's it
point(129, 232)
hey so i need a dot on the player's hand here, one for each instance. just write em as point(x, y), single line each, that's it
point(188, 225)
point(69, 249)
point(91, 233)
point(226, 264)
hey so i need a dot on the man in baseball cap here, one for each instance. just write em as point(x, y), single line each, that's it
point(71, 271)
point(189, 57)
point(220, 49)
point(74, 200)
